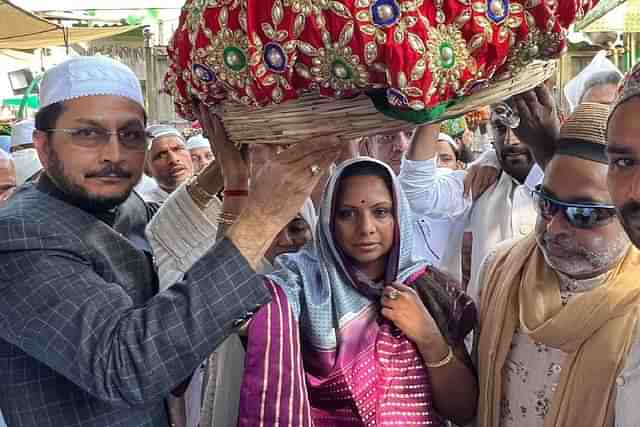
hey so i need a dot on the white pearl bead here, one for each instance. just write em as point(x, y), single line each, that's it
point(385, 12)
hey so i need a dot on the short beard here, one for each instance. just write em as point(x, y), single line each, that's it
point(77, 195)
point(587, 262)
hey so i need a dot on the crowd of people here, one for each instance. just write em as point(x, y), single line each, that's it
point(150, 279)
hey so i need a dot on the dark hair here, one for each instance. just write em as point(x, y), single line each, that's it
point(464, 155)
point(367, 169)
point(601, 78)
point(47, 117)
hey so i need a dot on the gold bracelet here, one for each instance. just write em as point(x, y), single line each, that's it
point(447, 359)
point(199, 195)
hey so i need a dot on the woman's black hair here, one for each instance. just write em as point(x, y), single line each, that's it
point(366, 169)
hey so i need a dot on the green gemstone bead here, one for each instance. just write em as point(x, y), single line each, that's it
point(234, 58)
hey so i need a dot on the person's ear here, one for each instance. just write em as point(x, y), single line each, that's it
point(41, 141)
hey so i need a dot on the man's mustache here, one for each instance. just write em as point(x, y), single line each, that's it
point(110, 171)
point(514, 150)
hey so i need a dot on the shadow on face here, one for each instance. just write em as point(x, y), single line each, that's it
point(579, 252)
point(291, 239)
point(515, 157)
point(624, 166)
point(364, 223)
point(94, 173)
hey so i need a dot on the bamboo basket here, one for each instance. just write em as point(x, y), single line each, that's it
point(313, 116)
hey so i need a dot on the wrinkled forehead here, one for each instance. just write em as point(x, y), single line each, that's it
point(572, 179)
point(165, 143)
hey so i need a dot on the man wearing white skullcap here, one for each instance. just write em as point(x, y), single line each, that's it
point(7, 176)
point(168, 162)
point(24, 154)
point(201, 154)
point(86, 337)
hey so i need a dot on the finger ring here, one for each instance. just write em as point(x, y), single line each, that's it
point(394, 294)
point(315, 170)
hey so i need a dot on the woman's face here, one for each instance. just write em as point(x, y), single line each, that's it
point(293, 237)
point(364, 223)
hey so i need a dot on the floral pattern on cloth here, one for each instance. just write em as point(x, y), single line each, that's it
point(423, 52)
point(532, 370)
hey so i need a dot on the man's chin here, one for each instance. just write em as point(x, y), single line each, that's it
point(96, 202)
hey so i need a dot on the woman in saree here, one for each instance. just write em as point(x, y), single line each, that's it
point(359, 332)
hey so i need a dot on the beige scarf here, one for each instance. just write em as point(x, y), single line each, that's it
point(595, 329)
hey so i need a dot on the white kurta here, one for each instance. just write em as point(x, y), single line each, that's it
point(436, 197)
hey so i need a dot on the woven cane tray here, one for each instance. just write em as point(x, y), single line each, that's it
point(312, 116)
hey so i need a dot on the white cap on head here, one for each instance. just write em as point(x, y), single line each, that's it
point(158, 131)
point(22, 133)
point(198, 141)
point(446, 138)
point(89, 76)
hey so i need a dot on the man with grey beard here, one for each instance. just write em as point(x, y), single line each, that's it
point(559, 312)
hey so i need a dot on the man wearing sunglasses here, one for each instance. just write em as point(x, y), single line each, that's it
point(559, 312)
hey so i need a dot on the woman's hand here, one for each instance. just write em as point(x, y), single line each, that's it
point(402, 305)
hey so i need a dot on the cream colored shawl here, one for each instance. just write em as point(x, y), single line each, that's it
point(595, 329)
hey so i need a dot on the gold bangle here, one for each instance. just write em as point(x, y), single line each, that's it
point(447, 359)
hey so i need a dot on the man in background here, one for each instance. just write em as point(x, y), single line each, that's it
point(168, 161)
point(24, 153)
point(201, 154)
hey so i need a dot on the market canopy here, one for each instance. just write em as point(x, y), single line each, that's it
point(612, 15)
point(20, 29)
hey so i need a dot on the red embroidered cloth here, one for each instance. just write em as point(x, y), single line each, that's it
point(423, 52)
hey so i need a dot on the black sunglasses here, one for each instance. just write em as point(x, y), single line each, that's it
point(579, 215)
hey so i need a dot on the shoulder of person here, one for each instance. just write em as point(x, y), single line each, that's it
point(34, 221)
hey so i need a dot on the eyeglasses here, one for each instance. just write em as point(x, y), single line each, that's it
point(134, 140)
point(579, 215)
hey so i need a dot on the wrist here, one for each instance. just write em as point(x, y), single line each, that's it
point(252, 235)
point(433, 347)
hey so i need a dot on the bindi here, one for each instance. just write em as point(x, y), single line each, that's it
point(363, 201)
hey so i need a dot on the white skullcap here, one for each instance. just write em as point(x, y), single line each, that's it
point(22, 133)
point(158, 131)
point(198, 141)
point(574, 90)
point(446, 138)
point(89, 76)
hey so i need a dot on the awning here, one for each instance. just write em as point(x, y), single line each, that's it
point(20, 29)
point(612, 15)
